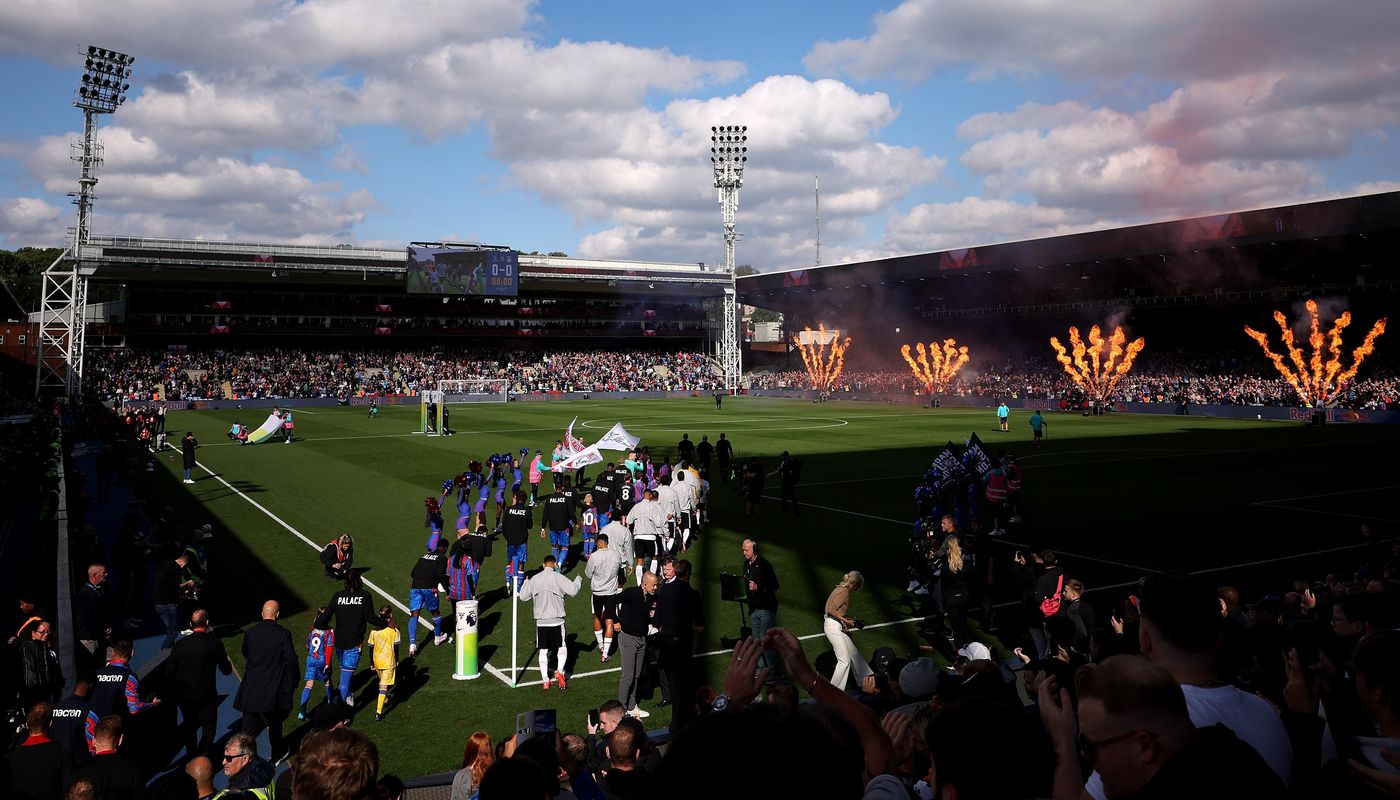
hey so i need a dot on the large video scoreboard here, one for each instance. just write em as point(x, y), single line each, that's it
point(460, 270)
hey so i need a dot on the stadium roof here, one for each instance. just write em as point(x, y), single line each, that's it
point(1318, 244)
point(133, 260)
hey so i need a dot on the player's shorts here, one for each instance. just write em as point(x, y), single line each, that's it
point(387, 676)
point(349, 659)
point(605, 606)
point(559, 538)
point(645, 549)
point(1037, 432)
point(419, 599)
point(316, 670)
point(549, 637)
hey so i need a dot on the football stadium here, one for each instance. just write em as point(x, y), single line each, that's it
point(501, 524)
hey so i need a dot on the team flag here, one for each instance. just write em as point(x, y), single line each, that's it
point(618, 439)
point(975, 457)
point(572, 444)
point(579, 460)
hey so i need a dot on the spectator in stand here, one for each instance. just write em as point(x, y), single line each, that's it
point(962, 765)
point(201, 770)
point(244, 767)
point(1180, 632)
point(1135, 730)
point(338, 764)
point(477, 756)
point(623, 777)
point(609, 715)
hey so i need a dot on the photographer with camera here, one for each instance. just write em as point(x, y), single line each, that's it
point(835, 625)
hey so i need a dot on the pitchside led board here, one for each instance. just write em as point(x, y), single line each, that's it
point(452, 271)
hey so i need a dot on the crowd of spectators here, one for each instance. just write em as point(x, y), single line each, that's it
point(132, 374)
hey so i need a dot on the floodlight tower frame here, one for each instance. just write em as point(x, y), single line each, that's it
point(63, 299)
point(729, 152)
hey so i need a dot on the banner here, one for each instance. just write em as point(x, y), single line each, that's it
point(383, 331)
point(272, 425)
point(218, 329)
point(383, 308)
point(949, 467)
point(579, 460)
point(221, 305)
point(975, 457)
point(618, 439)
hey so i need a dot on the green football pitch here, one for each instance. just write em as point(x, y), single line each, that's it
point(1117, 497)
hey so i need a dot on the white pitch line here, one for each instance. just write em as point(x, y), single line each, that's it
point(259, 506)
point(1328, 494)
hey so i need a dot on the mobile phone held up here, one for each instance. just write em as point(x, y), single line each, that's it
point(541, 722)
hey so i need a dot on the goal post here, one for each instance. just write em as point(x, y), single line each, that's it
point(469, 390)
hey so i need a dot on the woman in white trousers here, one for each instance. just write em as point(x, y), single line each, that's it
point(836, 624)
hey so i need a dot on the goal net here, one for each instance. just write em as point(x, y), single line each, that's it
point(475, 390)
point(432, 403)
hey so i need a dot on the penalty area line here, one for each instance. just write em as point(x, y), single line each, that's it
point(259, 506)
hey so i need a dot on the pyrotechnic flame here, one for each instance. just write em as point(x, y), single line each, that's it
point(824, 366)
point(1101, 373)
point(945, 365)
point(1319, 379)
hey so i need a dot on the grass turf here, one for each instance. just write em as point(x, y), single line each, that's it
point(1118, 495)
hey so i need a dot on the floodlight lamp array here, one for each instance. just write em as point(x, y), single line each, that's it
point(728, 145)
point(105, 80)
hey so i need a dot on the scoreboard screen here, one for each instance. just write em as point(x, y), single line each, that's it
point(461, 271)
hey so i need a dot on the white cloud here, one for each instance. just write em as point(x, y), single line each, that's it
point(235, 33)
point(31, 221)
point(975, 220)
point(1110, 40)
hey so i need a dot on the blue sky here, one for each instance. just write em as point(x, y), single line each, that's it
point(583, 127)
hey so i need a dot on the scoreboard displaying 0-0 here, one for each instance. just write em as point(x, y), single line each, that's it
point(462, 271)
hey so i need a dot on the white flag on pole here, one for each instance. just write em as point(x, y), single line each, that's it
point(579, 460)
point(618, 439)
point(572, 444)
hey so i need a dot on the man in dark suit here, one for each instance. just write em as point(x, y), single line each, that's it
point(269, 679)
point(189, 670)
point(679, 616)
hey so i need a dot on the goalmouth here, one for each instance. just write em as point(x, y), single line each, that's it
point(433, 403)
